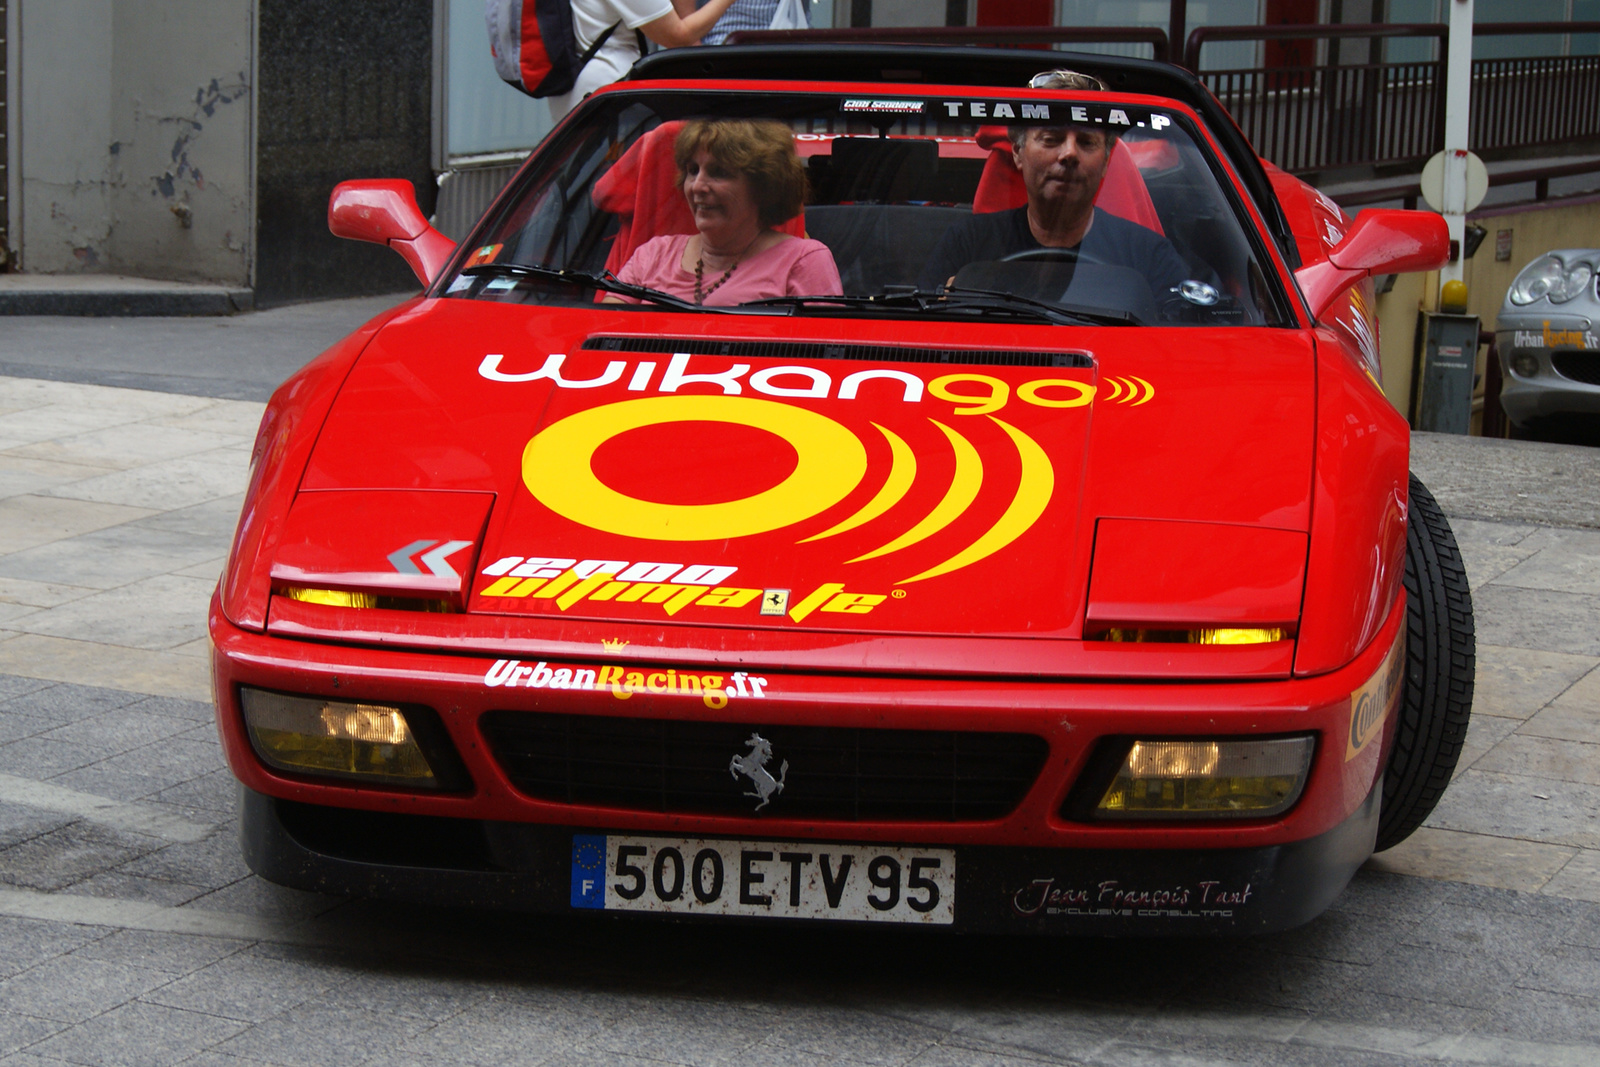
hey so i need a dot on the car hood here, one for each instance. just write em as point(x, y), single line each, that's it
point(772, 474)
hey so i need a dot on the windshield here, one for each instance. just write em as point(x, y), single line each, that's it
point(1070, 208)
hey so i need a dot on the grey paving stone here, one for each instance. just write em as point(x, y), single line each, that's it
point(29, 1059)
point(245, 987)
point(955, 1055)
point(1471, 930)
point(1565, 560)
point(216, 792)
point(255, 896)
point(12, 687)
point(1519, 903)
point(212, 863)
point(18, 1031)
point(114, 885)
point(26, 943)
point(63, 702)
point(1543, 1015)
point(1538, 618)
point(109, 558)
point(1537, 809)
point(115, 731)
point(1344, 937)
point(1466, 980)
point(74, 988)
point(140, 1035)
point(341, 1031)
point(161, 611)
point(19, 824)
point(174, 759)
point(1543, 757)
point(116, 783)
point(1565, 722)
point(680, 1032)
point(15, 725)
point(1484, 734)
point(848, 1035)
point(196, 711)
point(494, 1034)
point(1569, 969)
point(39, 758)
point(214, 519)
point(1513, 482)
point(76, 851)
point(1377, 893)
point(1236, 1052)
point(175, 954)
point(421, 993)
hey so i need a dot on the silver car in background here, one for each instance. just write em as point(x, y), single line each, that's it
point(1548, 337)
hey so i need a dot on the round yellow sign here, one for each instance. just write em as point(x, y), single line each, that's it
point(556, 469)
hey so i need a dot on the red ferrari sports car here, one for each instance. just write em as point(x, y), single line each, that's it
point(849, 484)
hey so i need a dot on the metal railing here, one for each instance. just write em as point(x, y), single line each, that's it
point(1310, 118)
point(1315, 117)
point(1409, 190)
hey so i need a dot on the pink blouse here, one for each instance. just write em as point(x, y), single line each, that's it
point(797, 266)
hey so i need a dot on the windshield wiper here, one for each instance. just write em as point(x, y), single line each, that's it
point(965, 300)
point(607, 282)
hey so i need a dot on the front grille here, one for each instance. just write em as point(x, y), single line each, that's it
point(667, 766)
point(1579, 366)
point(701, 346)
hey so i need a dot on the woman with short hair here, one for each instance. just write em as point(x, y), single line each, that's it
point(741, 179)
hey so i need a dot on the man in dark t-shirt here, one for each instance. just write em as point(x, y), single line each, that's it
point(1062, 168)
point(1109, 239)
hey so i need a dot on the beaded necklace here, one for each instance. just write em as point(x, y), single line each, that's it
point(700, 271)
point(699, 275)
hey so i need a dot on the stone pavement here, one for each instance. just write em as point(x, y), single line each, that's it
point(132, 933)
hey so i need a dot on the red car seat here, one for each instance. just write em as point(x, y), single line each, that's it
point(642, 190)
point(1122, 193)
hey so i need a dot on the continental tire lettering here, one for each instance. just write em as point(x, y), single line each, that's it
point(1370, 705)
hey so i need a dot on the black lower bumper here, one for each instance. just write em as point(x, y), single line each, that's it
point(1101, 892)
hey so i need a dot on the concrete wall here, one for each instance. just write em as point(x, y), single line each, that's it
point(1535, 229)
point(62, 152)
point(136, 137)
point(183, 139)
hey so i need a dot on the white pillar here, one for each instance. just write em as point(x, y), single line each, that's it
point(1457, 114)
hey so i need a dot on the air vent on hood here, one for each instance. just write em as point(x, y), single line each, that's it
point(701, 346)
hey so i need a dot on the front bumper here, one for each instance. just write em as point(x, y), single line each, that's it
point(1086, 892)
point(1549, 392)
point(495, 845)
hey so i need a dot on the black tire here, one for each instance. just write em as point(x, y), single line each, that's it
point(1441, 658)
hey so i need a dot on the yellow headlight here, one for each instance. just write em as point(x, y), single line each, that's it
point(307, 735)
point(1207, 636)
point(1208, 779)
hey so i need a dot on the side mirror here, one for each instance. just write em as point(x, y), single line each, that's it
point(1380, 242)
point(385, 212)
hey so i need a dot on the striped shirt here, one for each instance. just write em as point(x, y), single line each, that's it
point(743, 15)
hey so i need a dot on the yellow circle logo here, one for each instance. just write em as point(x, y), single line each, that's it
point(557, 471)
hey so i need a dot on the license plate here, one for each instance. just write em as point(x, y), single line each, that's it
point(768, 879)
